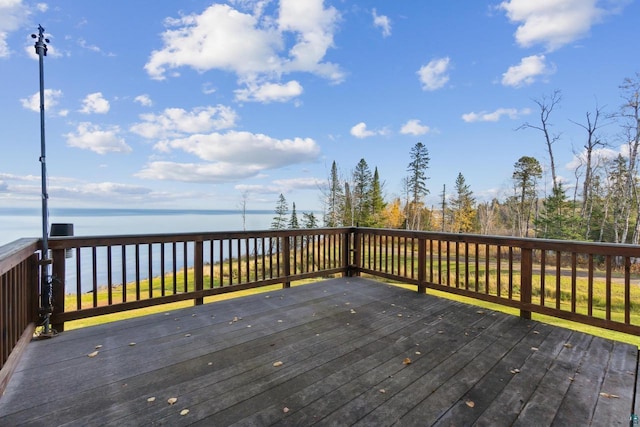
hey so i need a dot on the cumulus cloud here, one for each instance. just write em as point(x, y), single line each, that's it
point(143, 100)
point(527, 71)
point(14, 14)
point(414, 127)
point(383, 22)
point(230, 156)
point(598, 157)
point(494, 116)
point(51, 97)
point(102, 141)
point(434, 75)
point(174, 122)
point(270, 92)
point(95, 103)
point(551, 23)
point(360, 131)
point(250, 45)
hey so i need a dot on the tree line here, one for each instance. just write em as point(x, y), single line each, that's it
point(603, 204)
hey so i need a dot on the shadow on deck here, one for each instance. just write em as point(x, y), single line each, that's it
point(352, 352)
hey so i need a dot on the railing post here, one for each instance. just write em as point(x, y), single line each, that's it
point(346, 253)
point(356, 261)
point(526, 279)
point(34, 286)
point(286, 249)
point(422, 265)
point(57, 287)
point(198, 273)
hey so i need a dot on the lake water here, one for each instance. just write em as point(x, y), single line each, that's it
point(16, 223)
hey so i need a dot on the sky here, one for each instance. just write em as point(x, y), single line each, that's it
point(211, 104)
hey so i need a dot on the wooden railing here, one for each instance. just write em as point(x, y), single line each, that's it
point(129, 272)
point(589, 283)
point(594, 284)
point(18, 301)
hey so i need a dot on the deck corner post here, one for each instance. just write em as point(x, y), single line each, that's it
point(422, 265)
point(356, 261)
point(286, 249)
point(526, 281)
point(198, 273)
point(346, 253)
point(58, 285)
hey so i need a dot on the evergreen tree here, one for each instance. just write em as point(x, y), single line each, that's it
point(309, 220)
point(293, 221)
point(527, 171)
point(417, 184)
point(347, 212)
point(558, 219)
point(282, 209)
point(334, 201)
point(377, 201)
point(463, 208)
point(361, 196)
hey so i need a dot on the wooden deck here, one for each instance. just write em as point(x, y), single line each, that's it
point(352, 352)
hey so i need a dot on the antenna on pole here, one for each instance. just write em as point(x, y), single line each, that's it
point(45, 262)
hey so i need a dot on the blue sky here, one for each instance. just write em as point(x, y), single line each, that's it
point(199, 104)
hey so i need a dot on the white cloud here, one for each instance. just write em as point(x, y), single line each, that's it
point(551, 23)
point(270, 92)
point(95, 103)
point(173, 122)
point(383, 22)
point(102, 141)
point(527, 71)
point(14, 14)
point(360, 131)
point(51, 97)
point(42, 7)
point(252, 46)
point(494, 116)
point(414, 127)
point(598, 157)
point(218, 172)
point(143, 100)
point(245, 148)
point(434, 75)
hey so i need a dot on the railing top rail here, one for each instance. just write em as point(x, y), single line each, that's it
point(521, 242)
point(17, 251)
point(130, 239)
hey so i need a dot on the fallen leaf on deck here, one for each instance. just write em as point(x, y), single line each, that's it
point(279, 321)
point(210, 363)
point(93, 354)
point(132, 344)
point(353, 311)
point(184, 412)
point(480, 311)
point(172, 400)
point(383, 391)
point(418, 353)
point(406, 361)
point(399, 314)
point(470, 403)
point(534, 348)
point(515, 371)
point(151, 399)
point(278, 363)
point(567, 345)
point(187, 335)
point(98, 346)
point(609, 395)
point(285, 409)
point(536, 332)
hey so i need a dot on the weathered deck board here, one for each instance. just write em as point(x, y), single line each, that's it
point(343, 344)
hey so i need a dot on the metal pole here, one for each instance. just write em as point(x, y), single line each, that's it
point(45, 276)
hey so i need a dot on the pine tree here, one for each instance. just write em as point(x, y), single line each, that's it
point(282, 209)
point(377, 201)
point(334, 200)
point(463, 207)
point(361, 196)
point(309, 220)
point(527, 171)
point(558, 219)
point(293, 221)
point(417, 184)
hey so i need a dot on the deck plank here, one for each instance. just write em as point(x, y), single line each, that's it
point(342, 343)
